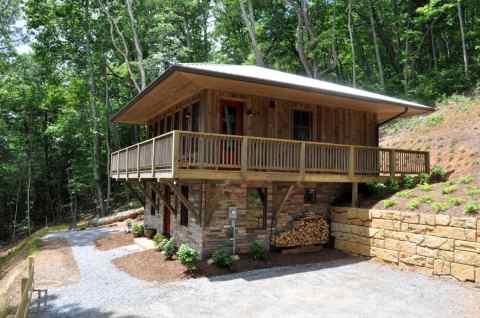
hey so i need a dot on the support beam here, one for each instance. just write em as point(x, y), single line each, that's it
point(160, 193)
point(183, 200)
point(354, 194)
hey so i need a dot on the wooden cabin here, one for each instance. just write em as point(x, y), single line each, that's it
point(266, 150)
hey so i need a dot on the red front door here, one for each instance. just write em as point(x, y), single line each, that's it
point(166, 214)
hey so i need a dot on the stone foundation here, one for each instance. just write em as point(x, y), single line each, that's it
point(432, 244)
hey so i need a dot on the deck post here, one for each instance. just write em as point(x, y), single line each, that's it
point(354, 194)
point(244, 156)
point(302, 162)
point(351, 162)
point(392, 163)
point(153, 158)
point(126, 164)
point(118, 164)
point(427, 162)
point(138, 161)
point(176, 149)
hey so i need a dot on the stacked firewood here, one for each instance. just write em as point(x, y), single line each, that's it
point(306, 231)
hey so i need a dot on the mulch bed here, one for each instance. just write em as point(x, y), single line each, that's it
point(151, 265)
point(113, 241)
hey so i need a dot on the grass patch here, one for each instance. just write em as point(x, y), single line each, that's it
point(426, 199)
point(455, 201)
point(389, 203)
point(413, 204)
point(471, 208)
point(425, 187)
point(406, 194)
point(472, 190)
point(439, 207)
point(449, 189)
point(466, 180)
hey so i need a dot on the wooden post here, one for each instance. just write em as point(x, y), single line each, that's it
point(427, 162)
point(244, 156)
point(153, 157)
point(138, 161)
point(351, 162)
point(175, 154)
point(392, 163)
point(118, 165)
point(126, 163)
point(302, 161)
point(354, 194)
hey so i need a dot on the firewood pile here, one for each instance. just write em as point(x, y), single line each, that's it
point(303, 232)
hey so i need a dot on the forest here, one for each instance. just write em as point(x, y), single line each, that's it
point(67, 66)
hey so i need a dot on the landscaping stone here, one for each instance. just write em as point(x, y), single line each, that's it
point(463, 272)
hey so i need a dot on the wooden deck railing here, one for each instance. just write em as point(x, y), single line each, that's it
point(193, 150)
point(26, 291)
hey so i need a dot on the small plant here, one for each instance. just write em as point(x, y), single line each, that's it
point(408, 182)
point(257, 251)
point(413, 204)
point(434, 120)
point(423, 178)
point(188, 257)
point(222, 259)
point(405, 194)
point(472, 190)
point(449, 189)
point(454, 201)
point(437, 174)
point(472, 208)
point(392, 185)
point(466, 179)
point(169, 248)
point(425, 187)
point(389, 203)
point(158, 238)
point(137, 230)
point(426, 199)
point(376, 189)
point(439, 207)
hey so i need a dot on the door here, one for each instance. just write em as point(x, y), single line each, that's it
point(166, 213)
point(231, 120)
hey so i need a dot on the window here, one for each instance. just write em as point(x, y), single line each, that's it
point(186, 119)
point(302, 125)
point(153, 204)
point(195, 117)
point(162, 126)
point(310, 196)
point(169, 123)
point(183, 208)
point(176, 121)
point(256, 208)
point(150, 131)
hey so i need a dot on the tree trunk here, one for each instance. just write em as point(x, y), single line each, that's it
point(249, 21)
point(352, 45)
point(377, 49)
point(462, 33)
point(108, 142)
point(138, 48)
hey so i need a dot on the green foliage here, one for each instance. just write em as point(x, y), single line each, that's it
point(188, 257)
point(376, 189)
point(466, 180)
point(392, 185)
point(455, 201)
point(426, 199)
point(434, 120)
point(472, 191)
point(449, 189)
point(169, 248)
point(437, 173)
point(423, 178)
point(388, 203)
point(406, 194)
point(439, 207)
point(257, 251)
point(158, 239)
point(222, 259)
point(408, 182)
point(137, 230)
point(472, 208)
point(413, 204)
point(425, 187)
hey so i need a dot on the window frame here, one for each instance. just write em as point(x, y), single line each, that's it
point(263, 193)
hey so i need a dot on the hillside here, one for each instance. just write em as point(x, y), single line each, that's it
point(452, 136)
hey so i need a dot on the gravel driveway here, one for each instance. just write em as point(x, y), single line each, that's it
point(345, 288)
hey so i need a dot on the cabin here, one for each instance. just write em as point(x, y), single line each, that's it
point(241, 153)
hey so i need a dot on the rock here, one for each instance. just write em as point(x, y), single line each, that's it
point(463, 272)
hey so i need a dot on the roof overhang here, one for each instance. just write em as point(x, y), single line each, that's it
point(179, 82)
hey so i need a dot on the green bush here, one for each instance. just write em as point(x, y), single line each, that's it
point(389, 203)
point(425, 187)
point(222, 259)
point(472, 208)
point(413, 204)
point(169, 248)
point(408, 182)
point(454, 201)
point(257, 251)
point(449, 189)
point(137, 229)
point(437, 174)
point(426, 199)
point(158, 239)
point(376, 189)
point(188, 257)
point(423, 178)
point(439, 207)
point(392, 185)
point(466, 179)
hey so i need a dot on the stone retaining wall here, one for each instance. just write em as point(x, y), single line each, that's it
point(432, 244)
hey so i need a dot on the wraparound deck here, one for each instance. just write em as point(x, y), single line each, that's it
point(193, 155)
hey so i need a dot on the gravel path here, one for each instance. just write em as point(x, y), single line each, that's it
point(346, 288)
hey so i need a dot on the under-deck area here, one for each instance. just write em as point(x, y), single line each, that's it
point(194, 155)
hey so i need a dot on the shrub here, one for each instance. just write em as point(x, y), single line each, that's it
point(137, 229)
point(408, 182)
point(376, 189)
point(158, 239)
point(389, 203)
point(449, 189)
point(425, 187)
point(437, 173)
point(472, 190)
point(392, 185)
point(257, 251)
point(423, 178)
point(413, 204)
point(439, 207)
point(426, 199)
point(454, 201)
point(222, 259)
point(169, 248)
point(188, 257)
point(466, 179)
point(472, 208)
